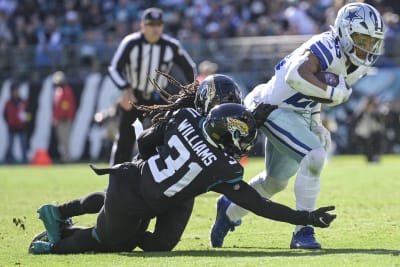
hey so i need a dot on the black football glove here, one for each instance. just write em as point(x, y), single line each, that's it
point(320, 217)
point(261, 112)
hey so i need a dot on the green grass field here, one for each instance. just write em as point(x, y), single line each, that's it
point(365, 233)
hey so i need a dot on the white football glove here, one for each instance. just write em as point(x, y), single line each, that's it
point(340, 93)
point(323, 134)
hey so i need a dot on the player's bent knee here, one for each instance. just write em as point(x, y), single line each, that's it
point(161, 246)
point(277, 184)
point(270, 186)
point(159, 242)
point(315, 160)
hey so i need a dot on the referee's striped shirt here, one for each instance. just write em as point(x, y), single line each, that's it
point(136, 60)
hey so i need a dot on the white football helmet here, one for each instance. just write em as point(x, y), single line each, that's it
point(360, 30)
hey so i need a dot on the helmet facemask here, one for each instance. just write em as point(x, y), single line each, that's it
point(365, 49)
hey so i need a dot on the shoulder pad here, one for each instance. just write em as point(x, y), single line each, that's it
point(324, 47)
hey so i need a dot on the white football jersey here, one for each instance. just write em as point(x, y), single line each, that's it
point(278, 92)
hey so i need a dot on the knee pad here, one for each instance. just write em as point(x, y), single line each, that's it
point(314, 161)
point(273, 185)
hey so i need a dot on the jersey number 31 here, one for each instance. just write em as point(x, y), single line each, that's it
point(173, 166)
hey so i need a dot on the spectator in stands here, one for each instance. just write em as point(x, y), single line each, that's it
point(6, 59)
point(125, 10)
point(16, 117)
point(48, 50)
point(71, 30)
point(91, 15)
point(134, 63)
point(299, 20)
point(5, 32)
point(64, 108)
point(369, 128)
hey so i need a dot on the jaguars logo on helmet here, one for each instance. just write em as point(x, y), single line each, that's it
point(209, 96)
point(232, 128)
point(237, 128)
point(214, 90)
point(237, 125)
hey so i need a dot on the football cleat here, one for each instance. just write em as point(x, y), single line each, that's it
point(52, 222)
point(67, 230)
point(304, 239)
point(39, 237)
point(40, 247)
point(222, 223)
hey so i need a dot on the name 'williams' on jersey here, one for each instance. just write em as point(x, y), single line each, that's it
point(187, 164)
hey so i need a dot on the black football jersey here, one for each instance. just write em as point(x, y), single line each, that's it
point(186, 165)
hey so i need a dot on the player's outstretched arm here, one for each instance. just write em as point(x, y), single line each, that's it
point(261, 113)
point(321, 218)
point(247, 197)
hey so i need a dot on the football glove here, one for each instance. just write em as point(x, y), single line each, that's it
point(320, 217)
point(261, 112)
point(323, 134)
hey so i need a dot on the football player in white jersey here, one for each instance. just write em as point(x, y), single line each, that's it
point(296, 139)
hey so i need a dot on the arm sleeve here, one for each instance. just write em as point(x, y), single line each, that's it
point(118, 62)
point(248, 198)
point(186, 63)
point(150, 139)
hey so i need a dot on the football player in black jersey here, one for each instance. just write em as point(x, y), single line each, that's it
point(197, 155)
point(215, 89)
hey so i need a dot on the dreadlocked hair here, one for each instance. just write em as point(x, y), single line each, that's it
point(184, 99)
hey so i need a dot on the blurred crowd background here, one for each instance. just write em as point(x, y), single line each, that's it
point(241, 38)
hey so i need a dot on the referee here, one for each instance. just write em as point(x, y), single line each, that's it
point(135, 61)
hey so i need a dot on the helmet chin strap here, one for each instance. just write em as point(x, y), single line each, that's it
point(354, 59)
